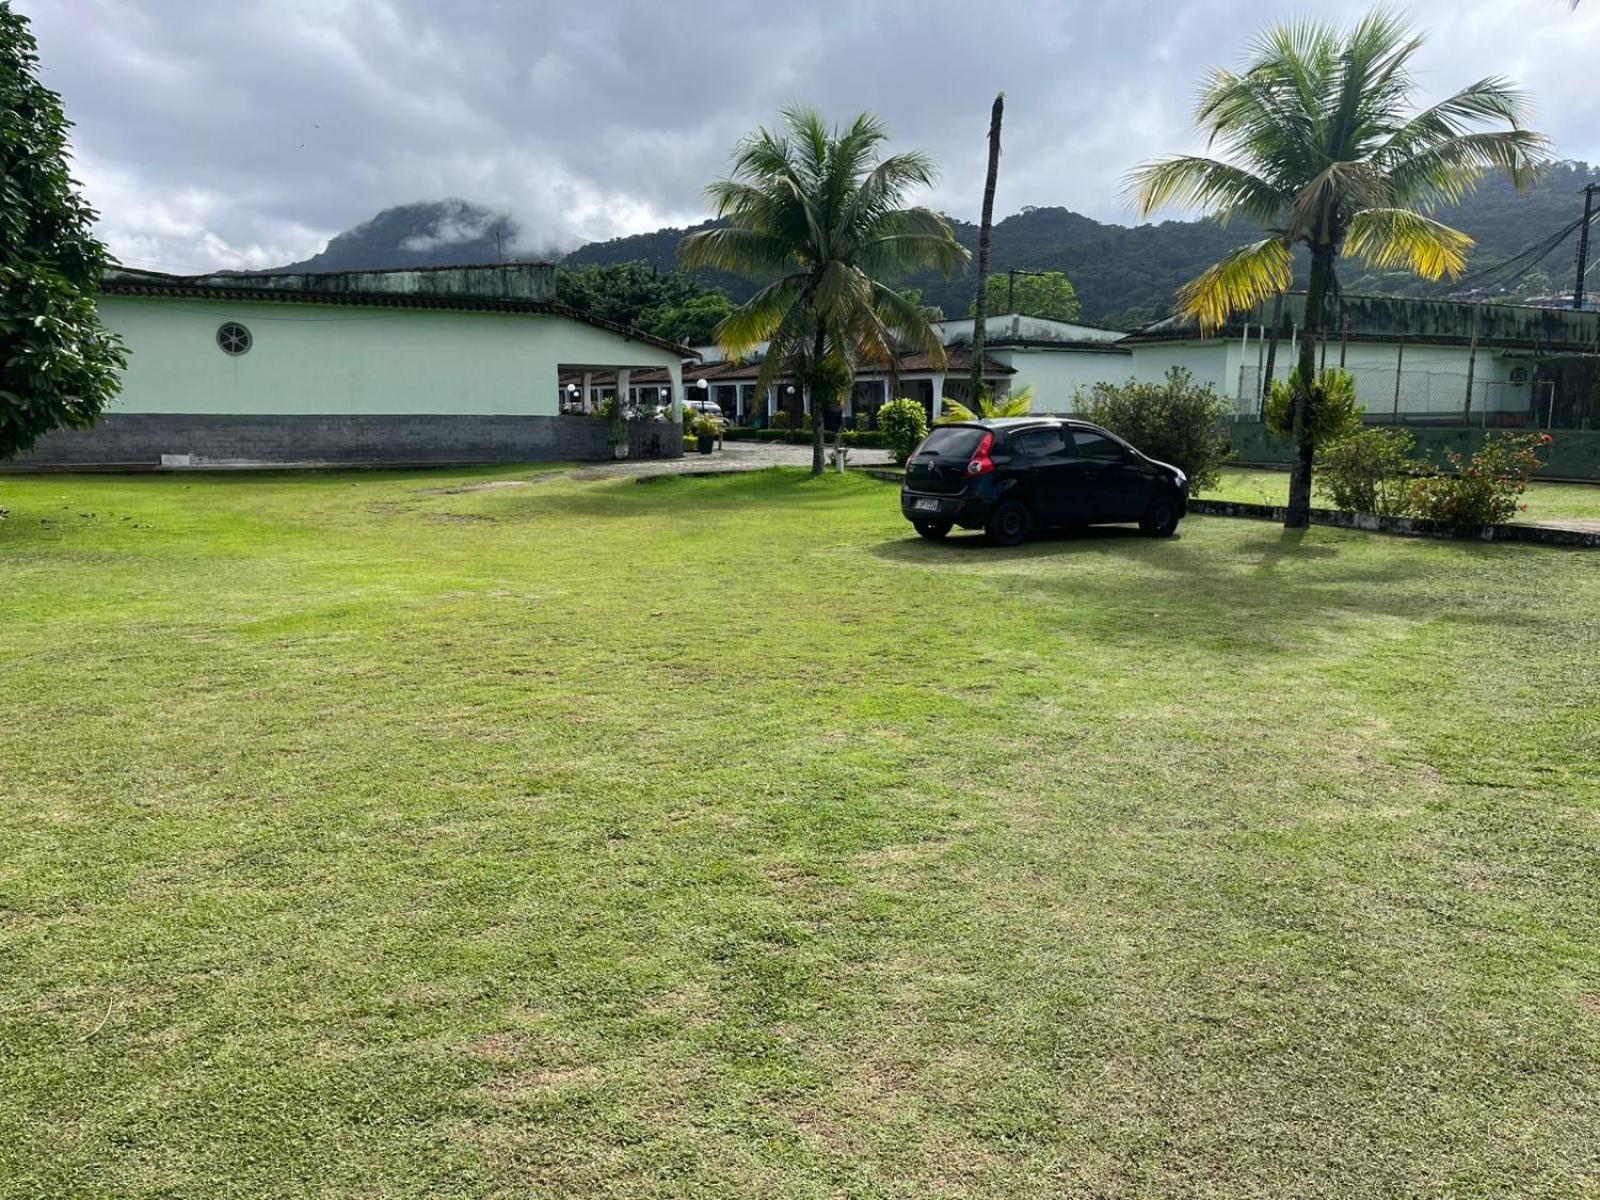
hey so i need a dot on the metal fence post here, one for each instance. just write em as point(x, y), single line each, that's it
point(1399, 367)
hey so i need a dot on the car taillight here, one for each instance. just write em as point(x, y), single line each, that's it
point(981, 463)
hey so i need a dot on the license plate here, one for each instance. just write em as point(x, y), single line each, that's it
point(926, 505)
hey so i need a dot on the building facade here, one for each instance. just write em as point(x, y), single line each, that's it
point(437, 365)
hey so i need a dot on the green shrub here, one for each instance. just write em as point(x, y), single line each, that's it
point(1331, 412)
point(1176, 421)
point(1485, 489)
point(699, 424)
point(1370, 472)
point(904, 425)
point(780, 419)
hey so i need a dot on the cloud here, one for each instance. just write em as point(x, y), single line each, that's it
point(237, 135)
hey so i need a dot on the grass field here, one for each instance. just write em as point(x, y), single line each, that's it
point(390, 835)
point(1545, 501)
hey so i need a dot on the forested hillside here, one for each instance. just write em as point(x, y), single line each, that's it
point(1124, 275)
point(1127, 274)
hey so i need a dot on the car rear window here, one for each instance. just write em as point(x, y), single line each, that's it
point(951, 441)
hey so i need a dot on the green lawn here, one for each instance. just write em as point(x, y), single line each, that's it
point(363, 836)
point(1545, 501)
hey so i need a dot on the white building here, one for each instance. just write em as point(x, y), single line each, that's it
point(447, 364)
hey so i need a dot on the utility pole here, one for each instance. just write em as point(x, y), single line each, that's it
point(1583, 243)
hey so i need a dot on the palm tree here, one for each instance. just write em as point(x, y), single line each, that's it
point(819, 214)
point(980, 302)
point(1017, 404)
point(1321, 147)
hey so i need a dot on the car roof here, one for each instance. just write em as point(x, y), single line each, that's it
point(1014, 423)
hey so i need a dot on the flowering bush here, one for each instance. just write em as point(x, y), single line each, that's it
point(1485, 489)
point(905, 425)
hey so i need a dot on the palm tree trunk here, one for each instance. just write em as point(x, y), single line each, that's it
point(819, 405)
point(1272, 351)
point(1299, 512)
point(980, 306)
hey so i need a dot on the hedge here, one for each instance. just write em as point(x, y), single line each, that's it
point(865, 439)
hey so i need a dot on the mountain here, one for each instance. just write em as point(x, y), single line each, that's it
point(435, 233)
point(1124, 275)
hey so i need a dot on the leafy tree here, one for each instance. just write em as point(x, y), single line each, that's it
point(58, 365)
point(623, 293)
point(1322, 149)
point(931, 312)
point(1043, 294)
point(1175, 421)
point(692, 323)
point(820, 213)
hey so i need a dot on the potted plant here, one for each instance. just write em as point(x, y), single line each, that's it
point(617, 432)
point(705, 430)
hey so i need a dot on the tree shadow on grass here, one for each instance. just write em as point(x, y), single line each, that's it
point(1237, 588)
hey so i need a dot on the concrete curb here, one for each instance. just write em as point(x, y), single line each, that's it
point(1542, 535)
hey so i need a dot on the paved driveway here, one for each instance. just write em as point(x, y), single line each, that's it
point(734, 456)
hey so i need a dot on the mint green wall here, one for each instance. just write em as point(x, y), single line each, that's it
point(310, 358)
point(1058, 376)
point(1574, 454)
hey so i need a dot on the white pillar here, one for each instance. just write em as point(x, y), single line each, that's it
point(805, 400)
point(938, 397)
point(738, 402)
point(886, 384)
point(588, 393)
point(675, 378)
point(624, 377)
point(772, 402)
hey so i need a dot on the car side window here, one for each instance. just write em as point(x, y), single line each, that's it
point(1098, 446)
point(1040, 443)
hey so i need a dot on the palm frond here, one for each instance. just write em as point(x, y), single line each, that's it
point(1207, 184)
point(1398, 237)
point(739, 251)
point(758, 318)
point(1017, 404)
point(1244, 277)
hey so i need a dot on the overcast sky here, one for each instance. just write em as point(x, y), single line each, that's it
point(246, 134)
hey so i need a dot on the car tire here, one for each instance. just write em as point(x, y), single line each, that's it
point(1161, 518)
point(932, 530)
point(1008, 525)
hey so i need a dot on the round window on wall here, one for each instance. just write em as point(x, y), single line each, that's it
point(233, 338)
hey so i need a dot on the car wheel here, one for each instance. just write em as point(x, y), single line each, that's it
point(1161, 518)
point(1008, 525)
point(931, 529)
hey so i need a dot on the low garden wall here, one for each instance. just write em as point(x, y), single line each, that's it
point(1410, 526)
point(149, 440)
point(1574, 454)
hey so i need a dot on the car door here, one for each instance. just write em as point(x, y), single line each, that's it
point(1041, 459)
point(1108, 486)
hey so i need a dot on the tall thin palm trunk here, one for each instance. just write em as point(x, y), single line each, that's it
point(1299, 511)
point(980, 307)
point(819, 404)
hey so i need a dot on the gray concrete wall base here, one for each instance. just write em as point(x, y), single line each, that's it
point(152, 440)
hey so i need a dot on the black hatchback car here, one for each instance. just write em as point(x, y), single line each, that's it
point(1009, 477)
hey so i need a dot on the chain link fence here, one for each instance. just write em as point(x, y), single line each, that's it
point(1432, 398)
